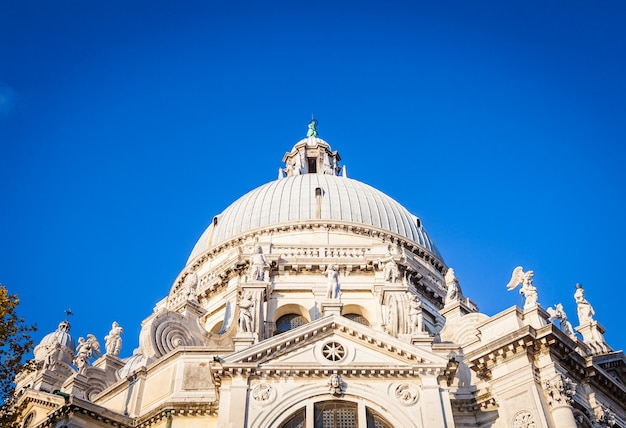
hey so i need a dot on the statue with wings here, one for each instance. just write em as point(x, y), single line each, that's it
point(528, 290)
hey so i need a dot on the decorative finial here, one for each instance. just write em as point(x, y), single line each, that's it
point(68, 312)
point(312, 132)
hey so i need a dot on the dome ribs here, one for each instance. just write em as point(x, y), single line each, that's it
point(293, 200)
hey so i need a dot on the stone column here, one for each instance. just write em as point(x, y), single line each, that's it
point(435, 413)
point(560, 391)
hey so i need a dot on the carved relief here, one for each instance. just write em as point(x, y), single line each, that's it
point(407, 394)
point(263, 393)
point(336, 385)
point(524, 420)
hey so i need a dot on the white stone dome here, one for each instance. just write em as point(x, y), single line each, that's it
point(295, 199)
point(61, 336)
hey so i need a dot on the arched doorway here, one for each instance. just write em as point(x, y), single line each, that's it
point(336, 414)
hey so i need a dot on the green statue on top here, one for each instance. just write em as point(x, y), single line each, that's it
point(312, 132)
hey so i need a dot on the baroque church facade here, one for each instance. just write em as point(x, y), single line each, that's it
point(314, 301)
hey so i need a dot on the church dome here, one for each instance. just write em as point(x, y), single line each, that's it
point(61, 336)
point(313, 190)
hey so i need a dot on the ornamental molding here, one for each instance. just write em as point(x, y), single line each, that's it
point(483, 403)
point(530, 342)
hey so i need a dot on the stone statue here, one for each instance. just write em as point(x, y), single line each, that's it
point(190, 284)
point(390, 268)
point(52, 356)
point(94, 344)
point(584, 308)
point(454, 290)
point(85, 350)
point(332, 283)
point(416, 316)
point(258, 265)
point(528, 290)
point(245, 313)
point(558, 313)
point(113, 341)
point(312, 132)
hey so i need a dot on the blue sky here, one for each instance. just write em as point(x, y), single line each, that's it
point(126, 126)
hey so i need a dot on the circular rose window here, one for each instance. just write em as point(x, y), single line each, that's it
point(333, 351)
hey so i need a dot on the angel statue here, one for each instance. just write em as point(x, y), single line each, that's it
point(558, 313)
point(528, 290)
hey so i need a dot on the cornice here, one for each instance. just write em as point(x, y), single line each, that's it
point(350, 227)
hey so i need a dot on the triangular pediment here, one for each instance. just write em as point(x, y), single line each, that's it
point(335, 342)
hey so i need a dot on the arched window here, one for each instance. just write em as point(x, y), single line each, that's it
point(358, 318)
point(295, 421)
point(289, 322)
point(336, 414)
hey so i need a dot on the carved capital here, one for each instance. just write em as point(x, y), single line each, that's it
point(560, 391)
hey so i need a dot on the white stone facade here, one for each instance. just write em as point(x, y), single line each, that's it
point(318, 301)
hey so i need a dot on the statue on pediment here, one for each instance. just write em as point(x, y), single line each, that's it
point(584, 308)
point(528, 290)
point(85, 350)
point(113, 340)
point(558, 313)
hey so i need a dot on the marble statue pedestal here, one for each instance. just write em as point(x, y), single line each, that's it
point(331, 307)
point(243, 341)
point(417, 339)
point(536, 316)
